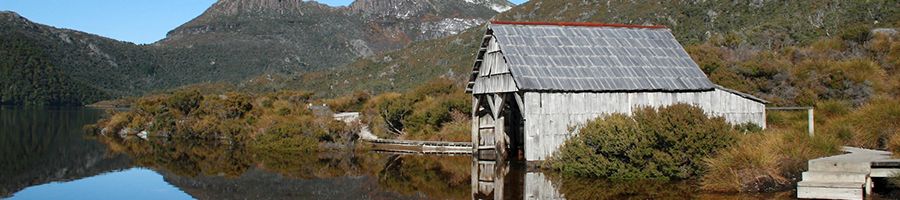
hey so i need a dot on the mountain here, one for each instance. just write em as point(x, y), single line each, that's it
point(237, 39)
point(747, 25)
point(231, 41)
point(46, 65)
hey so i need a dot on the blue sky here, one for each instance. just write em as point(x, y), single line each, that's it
point(137, 21)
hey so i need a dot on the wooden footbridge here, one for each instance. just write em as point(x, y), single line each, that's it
point(846, 176)
point(421, 147)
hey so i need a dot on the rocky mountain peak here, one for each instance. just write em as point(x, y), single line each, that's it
point(6, 13)
point(10, 19)
point(408, 8)
point(236, 7)
point(10, 16)
point(398, 8)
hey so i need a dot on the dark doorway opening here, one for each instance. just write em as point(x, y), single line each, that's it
point(514, 128)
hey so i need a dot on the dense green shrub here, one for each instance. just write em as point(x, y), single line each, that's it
point(668, 142)
point(279, 121)
point(747, 127)
point(289, 138)
point(184, 101)
point(420, 113)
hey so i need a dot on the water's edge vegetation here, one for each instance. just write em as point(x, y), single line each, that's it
point(852, 80)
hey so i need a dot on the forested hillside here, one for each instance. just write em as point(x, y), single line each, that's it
point(40, 81)
point(46, 65)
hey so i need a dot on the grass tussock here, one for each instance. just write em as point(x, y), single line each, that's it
point(762, 162)
point(874, 125)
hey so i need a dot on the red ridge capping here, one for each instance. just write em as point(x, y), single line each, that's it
point(588, 24)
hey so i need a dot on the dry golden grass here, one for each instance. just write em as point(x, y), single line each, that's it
point(870, 126)
point(767, 161)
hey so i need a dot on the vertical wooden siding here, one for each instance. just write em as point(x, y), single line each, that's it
point(494, 75)
point(549, 116)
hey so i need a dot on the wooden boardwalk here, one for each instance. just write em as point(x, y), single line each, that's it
point(404, 146)
point(421, 147)
point(846, 176)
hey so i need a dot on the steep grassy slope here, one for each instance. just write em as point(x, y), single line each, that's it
point(237, 39)
point(767, 24)
point(734, 25)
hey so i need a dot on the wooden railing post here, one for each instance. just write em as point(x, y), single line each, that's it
point(811, 122)
point(810, 116)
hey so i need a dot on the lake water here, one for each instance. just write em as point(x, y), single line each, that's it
point(47, 155)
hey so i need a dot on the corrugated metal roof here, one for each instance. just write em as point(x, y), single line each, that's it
point(577, 57)
point(741, 94)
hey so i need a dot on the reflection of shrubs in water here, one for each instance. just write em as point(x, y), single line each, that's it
point(182, 157)
point(592, 188)
point(436, 177)
point(320, 165)
point(441, 178)
point(193, 158)
point(668, 142)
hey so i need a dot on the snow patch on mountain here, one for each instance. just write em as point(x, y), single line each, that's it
point(496, 5)
point(448, 26)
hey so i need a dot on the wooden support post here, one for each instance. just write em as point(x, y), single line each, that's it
point(498, 104)
point(476, 104)
point(499, 129)
point(519, 102)
point(811, 123)
point(491, 104)
point(810, 116)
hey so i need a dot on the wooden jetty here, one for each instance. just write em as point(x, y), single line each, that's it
point(422, 147)
point(846, 176)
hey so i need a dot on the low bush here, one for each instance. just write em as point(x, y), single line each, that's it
point(349, 103)
point(279, 121)
point(669, 142)
point(424, 112)
point(296, 137)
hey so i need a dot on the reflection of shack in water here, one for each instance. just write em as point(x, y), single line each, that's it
point(513, 180)
point(504, 180)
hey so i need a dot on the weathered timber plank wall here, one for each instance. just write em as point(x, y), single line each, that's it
point(494, 75)
point(548, 116)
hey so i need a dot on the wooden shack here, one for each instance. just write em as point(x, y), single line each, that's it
point(532, 81)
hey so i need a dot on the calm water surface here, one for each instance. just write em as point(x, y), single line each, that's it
point(47, 155)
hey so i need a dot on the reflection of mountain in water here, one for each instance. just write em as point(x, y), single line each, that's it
point(39, 146)
point(260, 184)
